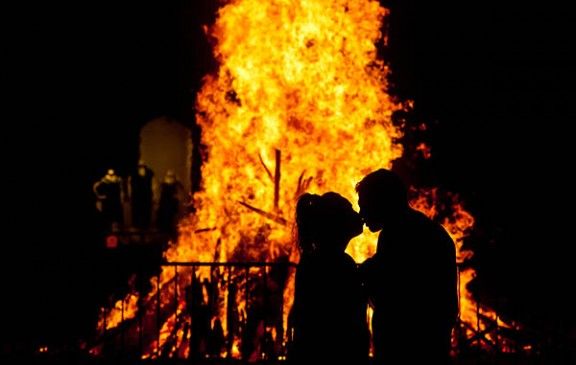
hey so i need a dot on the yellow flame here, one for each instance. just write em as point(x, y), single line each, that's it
point(123, 309)
point(299, 86)
point(299, 103)
point(301, 77)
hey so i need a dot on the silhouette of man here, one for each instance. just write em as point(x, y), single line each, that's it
point(109, 195)
point(169, 204)
point(412, 277)
point(141, 194)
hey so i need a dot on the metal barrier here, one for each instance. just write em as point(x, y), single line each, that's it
point(239, 311)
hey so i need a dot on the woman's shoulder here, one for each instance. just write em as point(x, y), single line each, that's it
point(342, 260)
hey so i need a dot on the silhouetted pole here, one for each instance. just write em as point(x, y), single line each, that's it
point(277, 181)
point(478, 322)
point(266, 168)
point(158, 320)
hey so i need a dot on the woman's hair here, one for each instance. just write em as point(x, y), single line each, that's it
point(306, 209)
point(321, 217)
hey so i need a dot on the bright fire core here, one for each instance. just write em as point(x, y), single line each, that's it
point(301, 78)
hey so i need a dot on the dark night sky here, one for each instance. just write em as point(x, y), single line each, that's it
point(495, 83)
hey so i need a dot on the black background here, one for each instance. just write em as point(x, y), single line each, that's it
point(494, 82)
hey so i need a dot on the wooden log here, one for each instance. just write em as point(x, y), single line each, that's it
point(268, 215)
point(277, 181)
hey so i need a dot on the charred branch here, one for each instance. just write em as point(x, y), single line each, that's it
point(268, 172)
point(205, 230)
point(303, 184)
point(277, 180)
point(480, 335)
point(263, 213)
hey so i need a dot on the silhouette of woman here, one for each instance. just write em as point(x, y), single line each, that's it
point(329, 312)
point(169, 205)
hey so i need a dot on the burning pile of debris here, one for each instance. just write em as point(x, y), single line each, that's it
point(184, 318)
point(299, 103)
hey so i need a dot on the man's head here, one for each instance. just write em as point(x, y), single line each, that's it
point(382, 196)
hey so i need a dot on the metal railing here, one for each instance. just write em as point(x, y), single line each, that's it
point(232, 310)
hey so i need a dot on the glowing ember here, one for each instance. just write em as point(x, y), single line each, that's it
point(299, 103)
point(122, 310)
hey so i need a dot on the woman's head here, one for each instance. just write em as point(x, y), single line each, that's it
point(326, 222)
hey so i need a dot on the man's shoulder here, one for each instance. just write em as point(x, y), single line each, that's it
point(418, 217)
point(422, 224)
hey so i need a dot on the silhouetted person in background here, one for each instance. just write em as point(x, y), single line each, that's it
point(216, 339)
point(169, 204)
point(109, 195)
point(329, 312)
point(200, 313)
point(141, 195)
point(412, 277)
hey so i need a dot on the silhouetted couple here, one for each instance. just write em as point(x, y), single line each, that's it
point(411, 281)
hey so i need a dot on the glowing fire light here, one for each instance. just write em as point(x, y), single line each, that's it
point(299, 103)
point(300, 77)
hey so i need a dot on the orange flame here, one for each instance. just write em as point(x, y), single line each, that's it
point(301, 77)
point(299, 103)
point(123, 309)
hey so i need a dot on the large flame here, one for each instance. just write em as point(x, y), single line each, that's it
point(299, 103)
point(302, 78)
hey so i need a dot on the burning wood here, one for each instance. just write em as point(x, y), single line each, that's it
point(183, 318)
point(303, 184)
point(270, 216)
point(277, 181)
point(266, 168)
point(298, 77)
